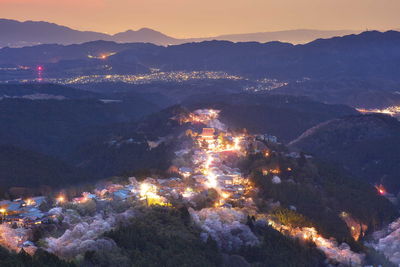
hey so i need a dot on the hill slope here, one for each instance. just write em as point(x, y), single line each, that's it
point(283, 116)
point(366, 145)
point(53, 119)
point(24, 168)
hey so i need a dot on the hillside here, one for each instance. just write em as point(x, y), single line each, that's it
point(111, 152)
point(279, 205)
point(283, 116)
point(54, 120)
point(44, 90)
point(351, 92)
point(22, 168)
point(366, 146)
point(274, 204)
point(71, 60)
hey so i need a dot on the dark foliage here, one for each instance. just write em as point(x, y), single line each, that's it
point(160, 237)
point(22, 259)
point(321, 193)
point(278, 250)
point(367, 146)
point(25, 169)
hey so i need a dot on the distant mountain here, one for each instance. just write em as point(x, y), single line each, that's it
point(18, 34)
point(366, 56)
point(290, 36)
point(369, 55)
point(54, 53)
point(359, 70)
point(144, 35)
point(365, 145)
point(352, 92)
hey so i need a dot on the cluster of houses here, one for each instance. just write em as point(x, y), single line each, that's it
point(212, 163)
point(27, 213)
point(207, 164)
point(23, 213)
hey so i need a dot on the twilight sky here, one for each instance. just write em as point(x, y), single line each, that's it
point(201, 18)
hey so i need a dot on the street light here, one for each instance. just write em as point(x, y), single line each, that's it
point(3, 213)
point(60, 199)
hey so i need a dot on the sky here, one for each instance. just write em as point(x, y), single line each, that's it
point(203, 18)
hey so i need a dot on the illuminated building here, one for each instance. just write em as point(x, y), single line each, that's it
point(208, 134)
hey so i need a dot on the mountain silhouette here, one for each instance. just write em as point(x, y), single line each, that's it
point(18, 34)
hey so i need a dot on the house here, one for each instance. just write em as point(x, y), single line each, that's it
point(28, 244)
point(14, 220)
point(208, 134)
point(185, 171)
point(201, 179)
point(33, 214)
point(5, 203)
point(37, 201)
point(85, 197)
point(122, 194)
point(14, 207)
point(225, 180)
point(267, 138)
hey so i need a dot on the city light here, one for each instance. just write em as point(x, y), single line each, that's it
point(60, 199)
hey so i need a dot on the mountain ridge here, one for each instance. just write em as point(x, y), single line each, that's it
point(369, 56)
point(18, 34)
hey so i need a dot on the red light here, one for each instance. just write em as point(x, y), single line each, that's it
point(39, 68)
point(381, 189)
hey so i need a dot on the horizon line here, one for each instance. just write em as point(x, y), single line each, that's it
point(196, 37)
